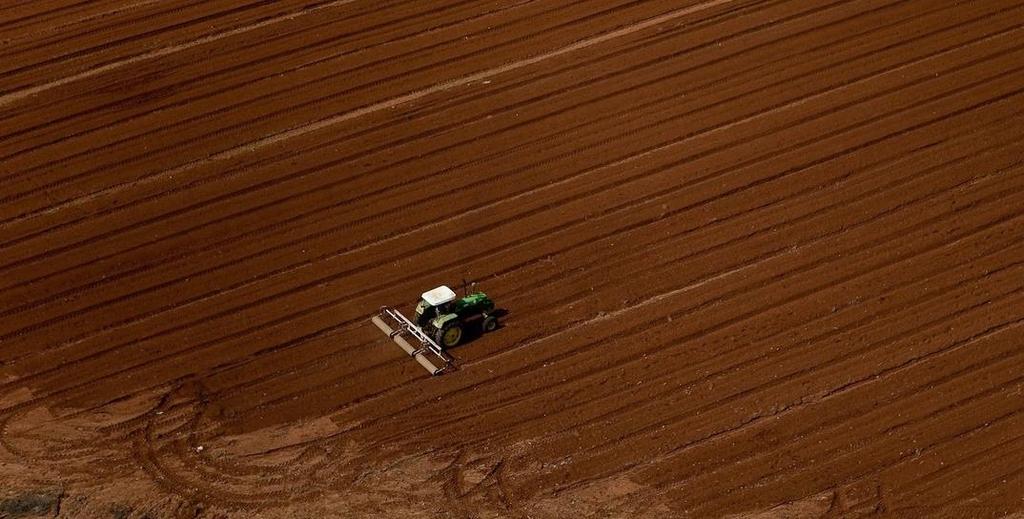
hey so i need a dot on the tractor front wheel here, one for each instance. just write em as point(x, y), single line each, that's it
point(490, 323)
point(450, 335)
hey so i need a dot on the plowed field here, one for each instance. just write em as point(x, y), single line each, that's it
point(761, 257)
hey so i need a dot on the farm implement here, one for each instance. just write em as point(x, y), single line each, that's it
point(440, 322)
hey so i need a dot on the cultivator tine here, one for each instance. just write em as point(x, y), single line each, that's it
point(403, 326)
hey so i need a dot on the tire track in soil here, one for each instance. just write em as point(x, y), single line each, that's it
point(111, 47)
point(477, 409)
point(956, 406)
point(233, 389)
point(263, 67)
point(960, 347)
point(526, 296)
point(450, 395)
point(802, 438)
point(599, 394)
point(472, 438)
point(351, 96)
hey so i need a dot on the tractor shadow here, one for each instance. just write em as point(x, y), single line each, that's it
point(475, 331)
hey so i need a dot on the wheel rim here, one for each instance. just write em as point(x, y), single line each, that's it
point(490, 324)
point(452, 336)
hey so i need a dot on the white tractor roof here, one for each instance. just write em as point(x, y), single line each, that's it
point(439, 296)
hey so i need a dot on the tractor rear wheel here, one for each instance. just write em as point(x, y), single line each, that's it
point(450, 335)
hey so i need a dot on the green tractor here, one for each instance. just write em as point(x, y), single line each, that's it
point(444, 317)
point(441, 321)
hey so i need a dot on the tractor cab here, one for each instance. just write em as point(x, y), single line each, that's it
point(434, 303)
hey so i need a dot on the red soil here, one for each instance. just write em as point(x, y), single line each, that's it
point(759, 258)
